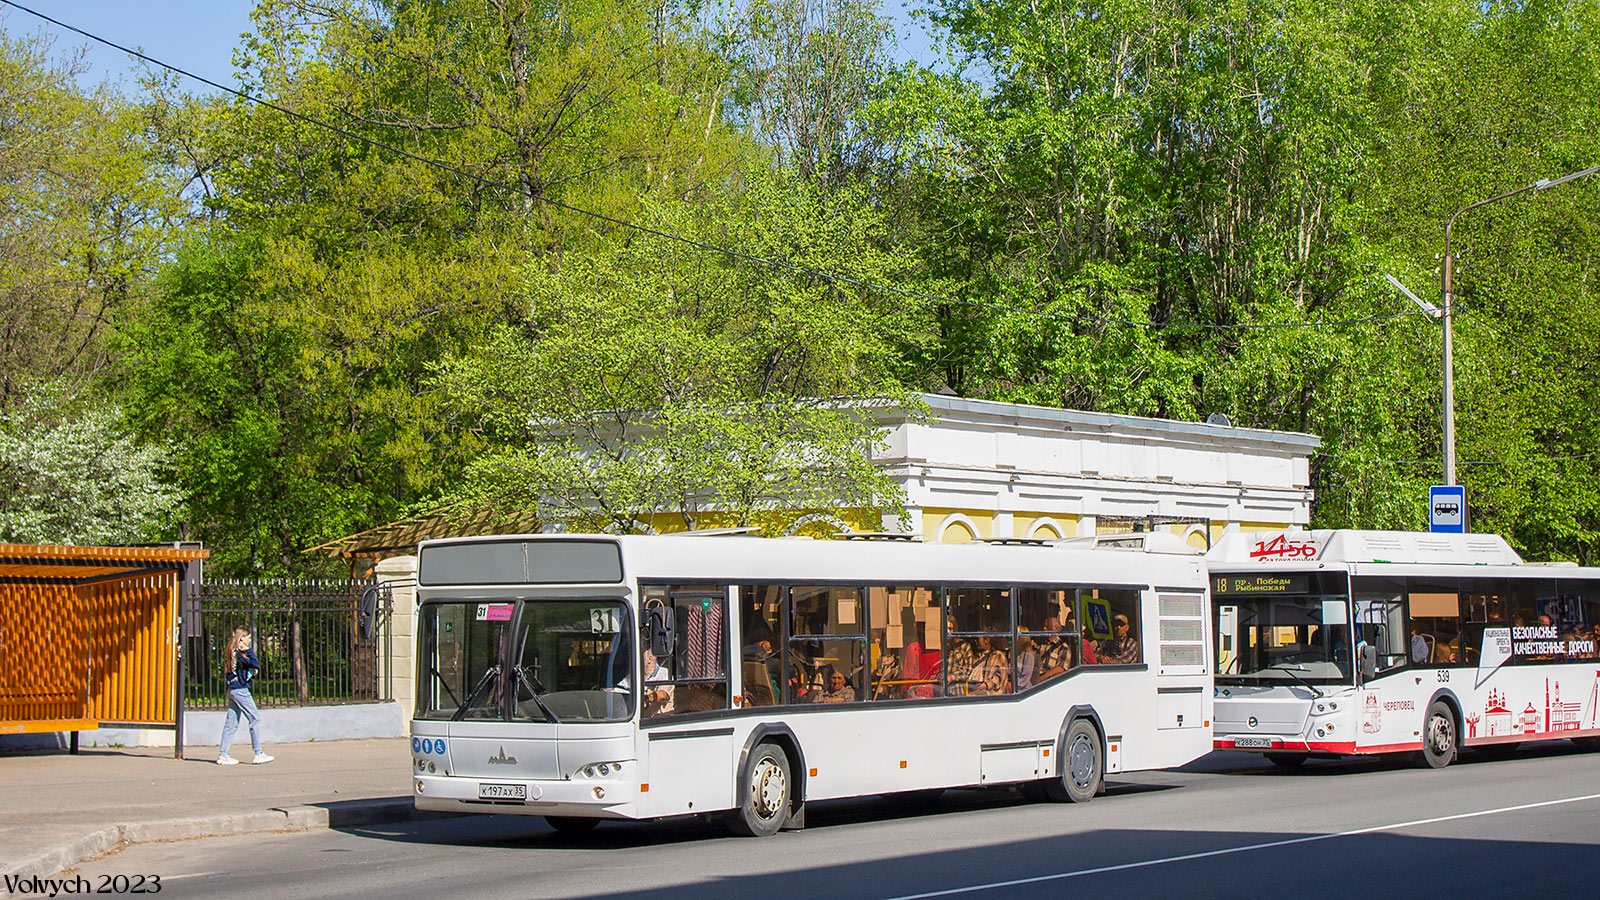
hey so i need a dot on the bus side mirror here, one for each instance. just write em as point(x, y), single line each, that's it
point(658, 628)
point(1369, 662)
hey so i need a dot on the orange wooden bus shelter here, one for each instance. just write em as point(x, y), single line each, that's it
point(89, 636)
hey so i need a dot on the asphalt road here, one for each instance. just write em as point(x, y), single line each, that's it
point(1227, 826)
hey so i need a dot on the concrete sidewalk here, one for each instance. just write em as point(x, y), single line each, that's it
point(57, 809)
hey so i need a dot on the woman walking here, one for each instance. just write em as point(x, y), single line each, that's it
point(238, 668)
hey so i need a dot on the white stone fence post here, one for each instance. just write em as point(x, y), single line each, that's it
point(400, 667)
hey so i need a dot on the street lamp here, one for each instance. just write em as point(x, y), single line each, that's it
point(1449, 306)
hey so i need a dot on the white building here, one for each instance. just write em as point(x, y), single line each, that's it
point(980, 469)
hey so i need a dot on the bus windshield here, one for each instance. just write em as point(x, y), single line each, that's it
point(1298, 636)
point(531, 661)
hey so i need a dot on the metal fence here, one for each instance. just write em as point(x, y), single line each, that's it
point(320, 642)
point(1118, 524)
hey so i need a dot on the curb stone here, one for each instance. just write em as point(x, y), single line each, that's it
point(281, 818)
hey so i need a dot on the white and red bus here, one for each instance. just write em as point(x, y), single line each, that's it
point(589, 677)
point(1354, 642)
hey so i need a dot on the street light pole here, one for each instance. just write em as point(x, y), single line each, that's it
point(1448, 272)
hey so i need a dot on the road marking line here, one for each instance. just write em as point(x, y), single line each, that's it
point(1230, 850)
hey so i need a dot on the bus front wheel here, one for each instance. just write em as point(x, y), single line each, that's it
point(1439, 736)
point(1082, 767)
point(767, 790)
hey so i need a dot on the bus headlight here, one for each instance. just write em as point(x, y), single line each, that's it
point(604, 769)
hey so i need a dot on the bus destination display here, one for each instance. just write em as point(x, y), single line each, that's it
point(1258, 584)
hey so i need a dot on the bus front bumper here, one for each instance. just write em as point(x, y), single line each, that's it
point(614, 799)
point(1255, 744)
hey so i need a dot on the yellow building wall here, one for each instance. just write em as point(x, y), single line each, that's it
point(937, 525)
point(1022, 521)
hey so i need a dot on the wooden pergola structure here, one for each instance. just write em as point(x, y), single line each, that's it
point(364, 550)
point(89, 636)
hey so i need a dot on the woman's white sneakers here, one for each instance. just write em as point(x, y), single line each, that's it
point(226, 760)
point(262, 758)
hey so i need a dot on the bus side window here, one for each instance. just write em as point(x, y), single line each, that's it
point(761, 643)
point(695, 676)
point(903, 666)
point(1588, 593)
point(1110, 620)
point(1483, 605)
point(1380, 620)
point(827, 637)
point(1047, 630)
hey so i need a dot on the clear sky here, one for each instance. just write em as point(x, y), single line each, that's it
point(200, 35)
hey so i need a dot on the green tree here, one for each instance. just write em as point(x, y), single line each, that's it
point(1507, 98)
point(807, 71)
point(649, 376)
point(291, 342)
point(71, 473)
point(89, 213)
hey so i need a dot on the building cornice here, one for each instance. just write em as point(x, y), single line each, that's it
point(1013, 416)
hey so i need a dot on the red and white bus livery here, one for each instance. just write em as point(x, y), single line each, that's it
point(1353, 642)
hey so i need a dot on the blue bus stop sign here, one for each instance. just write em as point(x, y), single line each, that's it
point(1447, 509)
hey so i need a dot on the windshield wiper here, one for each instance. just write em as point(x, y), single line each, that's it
point(1290, 670)
point(461, 711)
point(434, 671)
point(533, 692)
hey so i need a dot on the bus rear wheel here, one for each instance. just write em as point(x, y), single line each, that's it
point(571, 824)
point(767, 788)
point(1439, 736)
point(1082, 768)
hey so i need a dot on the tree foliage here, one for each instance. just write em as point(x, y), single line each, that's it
point(88, 215)
point(1156, 208)
point(73, 474)
point(648, 376)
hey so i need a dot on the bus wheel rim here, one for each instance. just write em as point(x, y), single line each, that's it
point(1439, 734)
point(1080, 761)
point(769, 788)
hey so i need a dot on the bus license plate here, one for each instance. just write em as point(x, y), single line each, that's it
point(1252, 742)
point(502, 792)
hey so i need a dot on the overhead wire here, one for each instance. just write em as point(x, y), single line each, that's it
point(694, 242)
point(1490, 462)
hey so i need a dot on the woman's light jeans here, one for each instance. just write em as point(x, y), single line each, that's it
point(241, 705)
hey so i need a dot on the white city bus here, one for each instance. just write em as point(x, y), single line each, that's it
point(1352, 642)
point(587, 677)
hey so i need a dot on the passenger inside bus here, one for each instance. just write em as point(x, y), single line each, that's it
point(1027, 659)
point(1124, 644)
point(960, 657)
point(657, 690)
point(919, 666)
point(837, 691)
point(991, 668)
